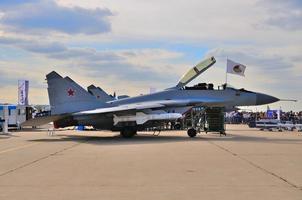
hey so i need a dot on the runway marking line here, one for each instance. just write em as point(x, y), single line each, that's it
point(17, 148)
point(256, 166)
point(39, 159)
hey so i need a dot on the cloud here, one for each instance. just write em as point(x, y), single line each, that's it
point(43, 47)
point(48, 16)
point(147, 61)
point(262, 59)
point(137, 65)
point(133, 65)
point(5, 79)
point(33, 45)
point(57, 50)
point(126, 72)
point(86, 54)
point(284, 14)
point(10, 75)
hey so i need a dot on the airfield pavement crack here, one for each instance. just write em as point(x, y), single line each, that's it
point(39, 159)
point(256, 166)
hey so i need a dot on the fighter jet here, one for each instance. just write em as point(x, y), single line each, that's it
point(71, 105)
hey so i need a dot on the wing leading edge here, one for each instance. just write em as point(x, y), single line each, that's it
point(152, 105)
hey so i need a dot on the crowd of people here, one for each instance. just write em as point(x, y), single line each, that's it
point(246, 117)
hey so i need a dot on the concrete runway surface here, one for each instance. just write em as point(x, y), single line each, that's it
point(245, 164)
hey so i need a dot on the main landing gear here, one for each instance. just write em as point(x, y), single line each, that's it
point(128, 132)
point(192, 132)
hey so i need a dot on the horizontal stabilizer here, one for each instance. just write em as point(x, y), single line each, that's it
point(39, 121)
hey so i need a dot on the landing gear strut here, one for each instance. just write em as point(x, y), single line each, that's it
point(192, 132)
point(128, 132)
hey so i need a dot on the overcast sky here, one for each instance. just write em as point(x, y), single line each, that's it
point(129, 46)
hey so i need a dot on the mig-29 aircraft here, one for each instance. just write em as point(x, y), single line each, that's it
point(71, 105)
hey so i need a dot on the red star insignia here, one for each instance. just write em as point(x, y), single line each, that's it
point(70, 92)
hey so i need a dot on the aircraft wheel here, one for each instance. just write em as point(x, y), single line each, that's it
point(177, 126)
point(192, 132)
point(128, 132)
point(222, 133)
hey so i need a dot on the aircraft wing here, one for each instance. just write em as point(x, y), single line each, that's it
point(152, 105)
point(195, 71)
point(125, 107)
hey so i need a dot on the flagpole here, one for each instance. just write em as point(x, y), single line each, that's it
point(226, 73)
point(226, 77)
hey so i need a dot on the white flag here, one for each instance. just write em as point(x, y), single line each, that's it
point(235, 68)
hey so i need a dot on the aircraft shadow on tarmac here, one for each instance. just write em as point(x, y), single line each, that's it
point(150, 139)
point(4, 136)
point(36, 130)
point(118, 140)
point(7, 136)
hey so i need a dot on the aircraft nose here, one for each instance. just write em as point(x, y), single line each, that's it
point(262, 99)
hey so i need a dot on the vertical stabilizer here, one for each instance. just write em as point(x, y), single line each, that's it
point(66, 96)
point(100, 94)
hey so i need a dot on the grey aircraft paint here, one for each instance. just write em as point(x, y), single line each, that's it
point(99, 93)
point(73, 105)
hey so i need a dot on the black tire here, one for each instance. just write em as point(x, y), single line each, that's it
point(222, 133)
point(177, 126)
point(128, 132)
point(192, 132)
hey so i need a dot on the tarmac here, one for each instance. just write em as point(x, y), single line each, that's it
point(245, 164)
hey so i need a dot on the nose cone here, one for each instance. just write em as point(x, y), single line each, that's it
point(262, 99)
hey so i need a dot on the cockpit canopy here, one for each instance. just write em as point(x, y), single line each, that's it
point(201, 86)
point(195, 71)
point(210, 86)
